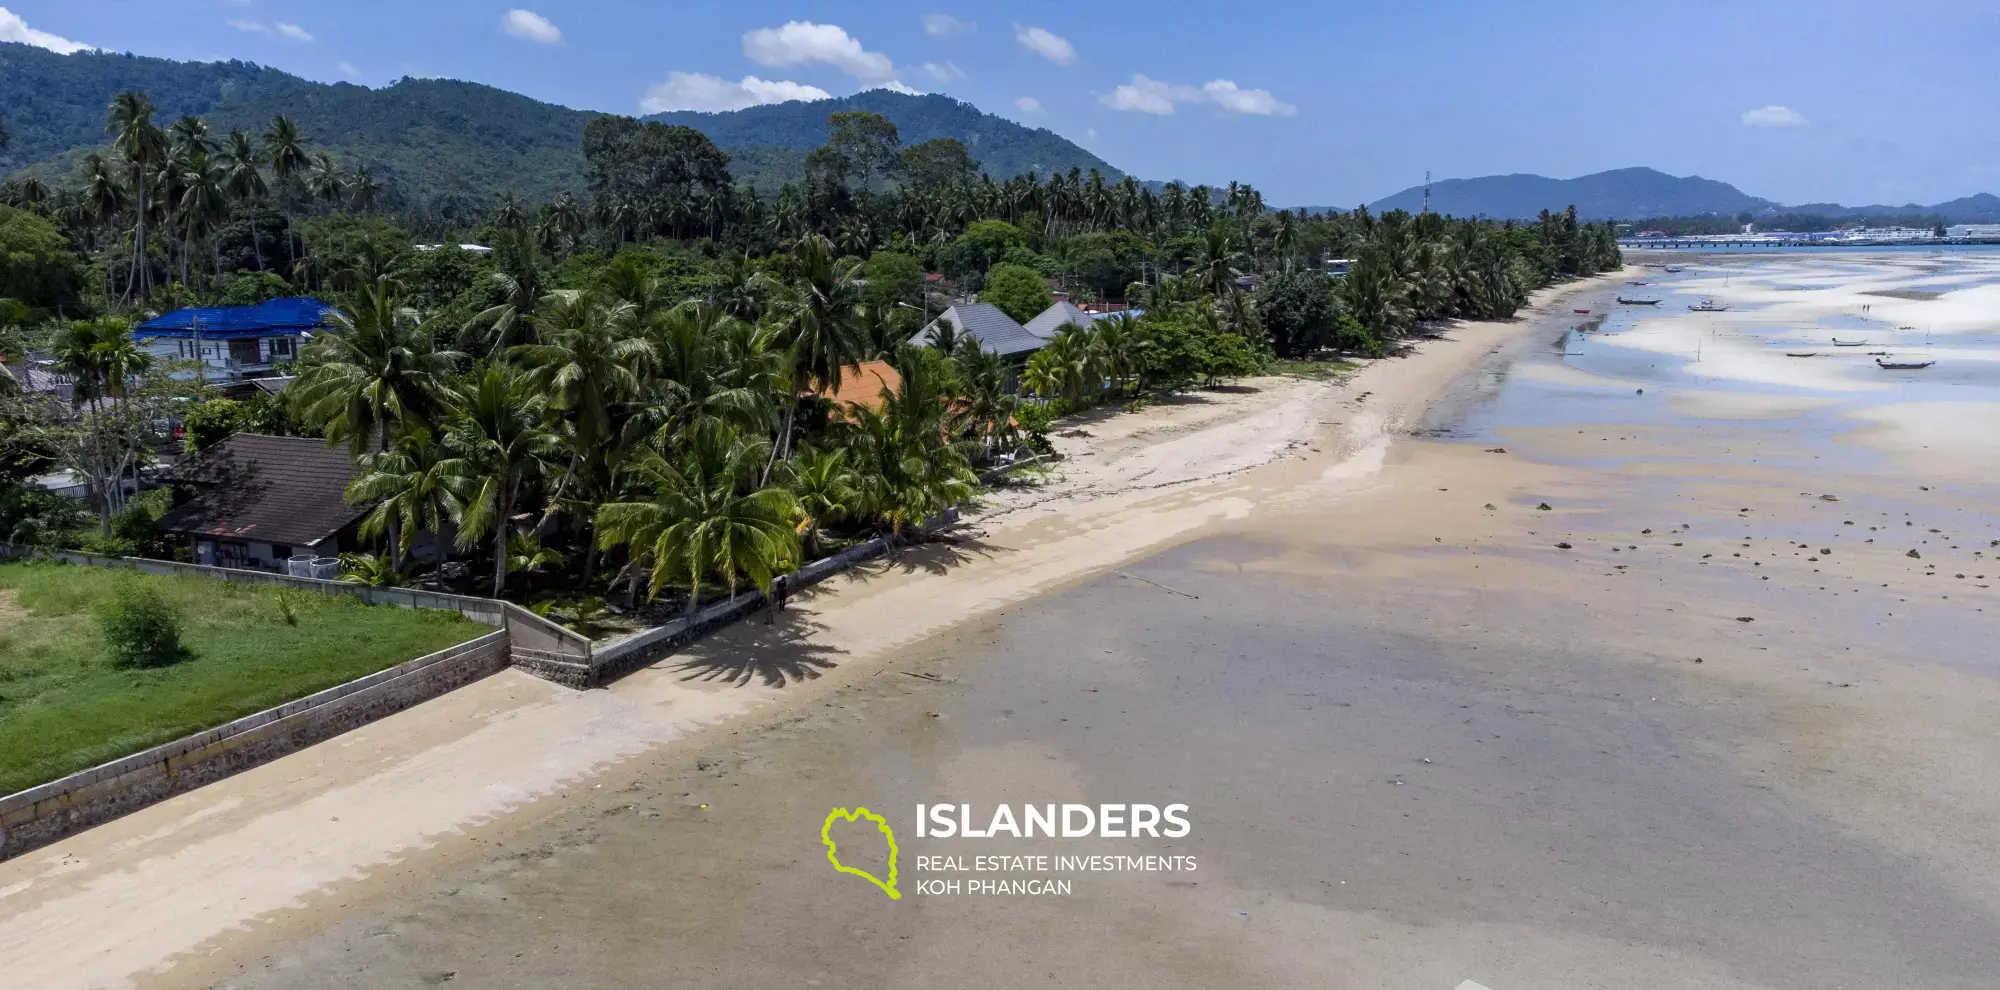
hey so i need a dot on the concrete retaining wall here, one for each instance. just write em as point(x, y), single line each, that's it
point(40, 815)
point(639, 649)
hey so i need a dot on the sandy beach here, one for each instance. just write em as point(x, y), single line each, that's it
point(1641, 657)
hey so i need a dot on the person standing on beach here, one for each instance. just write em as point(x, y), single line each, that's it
point(780, 589)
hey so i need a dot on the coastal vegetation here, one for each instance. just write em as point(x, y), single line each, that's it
point(98, 663)
point(632, 397)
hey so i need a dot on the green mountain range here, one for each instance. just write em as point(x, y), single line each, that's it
point(451, 147)
point(784, 132)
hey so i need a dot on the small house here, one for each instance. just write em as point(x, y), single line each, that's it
point(1063, 314)
point(255, 501)
point(233, 343)
point(995, 330)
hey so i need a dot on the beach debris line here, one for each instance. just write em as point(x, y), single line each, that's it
point(1158, 585)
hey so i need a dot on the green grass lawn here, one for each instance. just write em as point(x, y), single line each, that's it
point(1313, 368)
point(64, 707)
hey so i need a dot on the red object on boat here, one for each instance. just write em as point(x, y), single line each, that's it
point(1582, 312)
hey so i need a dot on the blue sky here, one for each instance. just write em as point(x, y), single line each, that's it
point(1326, 102)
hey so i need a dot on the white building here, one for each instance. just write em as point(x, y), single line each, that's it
point(234, 343)
point(1973, 230)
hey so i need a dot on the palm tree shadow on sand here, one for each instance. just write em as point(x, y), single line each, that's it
point(777, 654)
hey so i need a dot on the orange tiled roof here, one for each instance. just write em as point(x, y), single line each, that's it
point(862, 384)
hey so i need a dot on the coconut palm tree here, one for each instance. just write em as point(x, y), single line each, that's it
point(326, 182)
point(910, 466)
point(363, 189)
point(1215, 269)
point(518, 278)
point(501, 447)
point(373, 370)
point(410, 490)
point(285, 151)
point(143, 147)
point(818, 319)
point(243, 180)
point(203, 205)
point(703, 516)
point(827, 490)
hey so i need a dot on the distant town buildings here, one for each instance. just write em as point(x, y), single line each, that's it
point(1852, 235)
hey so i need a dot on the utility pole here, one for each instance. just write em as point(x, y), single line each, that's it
point(1427, 191)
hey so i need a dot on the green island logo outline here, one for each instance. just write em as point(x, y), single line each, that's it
point(833, 848)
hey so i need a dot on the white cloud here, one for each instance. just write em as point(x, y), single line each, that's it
point(1228, 98)
point(1148, 96)
point(700, 91)
point(947, 26)
point(798, 42)
point(944, 73)
point(292, 31)
point(1774, 116)
point(1152, 96)
point(1028, 104)
point(13, 28)
point(1053, 47)
point(530, 26)
point(896, 86)
point(348, 69)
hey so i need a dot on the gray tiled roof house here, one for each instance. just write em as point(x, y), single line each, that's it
point(1054, 318)
point(996, 330)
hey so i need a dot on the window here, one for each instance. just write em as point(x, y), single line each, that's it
point(281, 348)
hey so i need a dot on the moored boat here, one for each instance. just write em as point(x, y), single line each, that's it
point(1802, 354)
point(1837, 342)
point(1903, 365)
point(1637, 302)
point(1709, 306)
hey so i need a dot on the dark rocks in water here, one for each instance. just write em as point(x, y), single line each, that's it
point(1745, 618)
point(1564, 546)
point(1914, 555)
point(1545, 507)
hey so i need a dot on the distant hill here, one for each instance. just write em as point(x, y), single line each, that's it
point(443, 144)
point(1618, 194)
point(1640, 193)
point(447, 146)
point(782, 133)
point(1978, 208)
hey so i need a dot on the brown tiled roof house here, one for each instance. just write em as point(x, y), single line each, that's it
point(253, 501)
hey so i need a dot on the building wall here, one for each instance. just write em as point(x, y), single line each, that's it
point(216, 354)
point(212, 551)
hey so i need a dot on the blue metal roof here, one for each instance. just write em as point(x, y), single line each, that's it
point(269, 319)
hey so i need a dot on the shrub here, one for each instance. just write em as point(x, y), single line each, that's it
point(212, 422)
point(142, 628)
point(1035, 419)
point(1019, 291)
